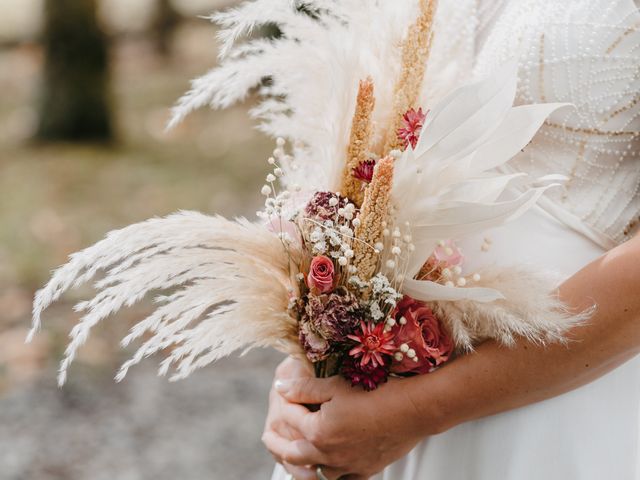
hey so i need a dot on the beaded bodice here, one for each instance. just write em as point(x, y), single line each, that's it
point(584, 52)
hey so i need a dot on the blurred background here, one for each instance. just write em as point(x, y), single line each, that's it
point(85, 88)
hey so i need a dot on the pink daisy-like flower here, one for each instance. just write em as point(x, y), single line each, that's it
point(413, 122)
point(373, 343)
point(364, 171)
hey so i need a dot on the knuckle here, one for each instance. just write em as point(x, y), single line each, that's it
point(317, 438)
point(282, 368)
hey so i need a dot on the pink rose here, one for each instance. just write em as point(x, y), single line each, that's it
point(423, 334)
point(321, 275)
point(448, 254)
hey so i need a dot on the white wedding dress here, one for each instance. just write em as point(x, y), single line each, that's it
point(586, 52)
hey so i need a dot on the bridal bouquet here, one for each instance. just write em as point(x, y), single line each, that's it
point(353, 261)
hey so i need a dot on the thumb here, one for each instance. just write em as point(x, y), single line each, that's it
point(306, 390)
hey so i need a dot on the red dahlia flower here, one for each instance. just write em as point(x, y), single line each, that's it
point(369, 376)
point(413, 122)
point(374, 342)
point(364, 171)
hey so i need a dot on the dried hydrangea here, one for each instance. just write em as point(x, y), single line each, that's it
point(324, 206)
point(316, 348)
point(333, 316)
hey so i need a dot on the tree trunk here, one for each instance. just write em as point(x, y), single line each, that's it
point(75, 103)
point(165, 21)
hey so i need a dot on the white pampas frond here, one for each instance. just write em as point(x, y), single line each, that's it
point(313, 69)
point(229, 283)
point(528, 310)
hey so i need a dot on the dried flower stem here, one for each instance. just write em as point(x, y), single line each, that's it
point(361, 129)
point(372, 215)
point(415, 53)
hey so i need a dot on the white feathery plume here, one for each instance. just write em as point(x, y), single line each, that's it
point(527, 310)
point(230, 283)
point(313, 70)
point(449, 185)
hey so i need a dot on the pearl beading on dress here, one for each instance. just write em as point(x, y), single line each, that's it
point(584, 52)
point(593, 63)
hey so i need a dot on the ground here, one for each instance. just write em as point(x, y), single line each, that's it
point(55, 199)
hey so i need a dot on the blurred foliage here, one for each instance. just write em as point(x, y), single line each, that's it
point(56, 199)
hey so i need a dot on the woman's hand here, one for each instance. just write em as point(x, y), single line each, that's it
point(357, 434)
point(354, 434)
point(280, 410)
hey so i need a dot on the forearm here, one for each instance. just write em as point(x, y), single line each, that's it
point(496, 378)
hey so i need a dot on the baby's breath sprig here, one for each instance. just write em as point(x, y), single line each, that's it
point(277, 199)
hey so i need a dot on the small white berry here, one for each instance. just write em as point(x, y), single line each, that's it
point(356, 222)
point(476, 277)
point(398, 357)
point(391, 321)
point(271, 160)
point(266, 190)
point(390, 264)
point(348, 253)
point(404, 347)
point(402, 321)
point(457, 270)
point(461, 282)
point(446, 273)
point(379, 246)
point(333, 201)
point(411, 353)
point(271, 178)
point(386, 232)
point(280, 141)
point(278, 172)
point(343, 261)
point(396, 250)
point(449, 284)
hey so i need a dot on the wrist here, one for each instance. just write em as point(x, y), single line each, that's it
point(430, 396)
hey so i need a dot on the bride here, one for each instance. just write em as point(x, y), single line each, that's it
point(529, 412)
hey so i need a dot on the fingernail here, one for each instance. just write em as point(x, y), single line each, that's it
point(281, 386)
